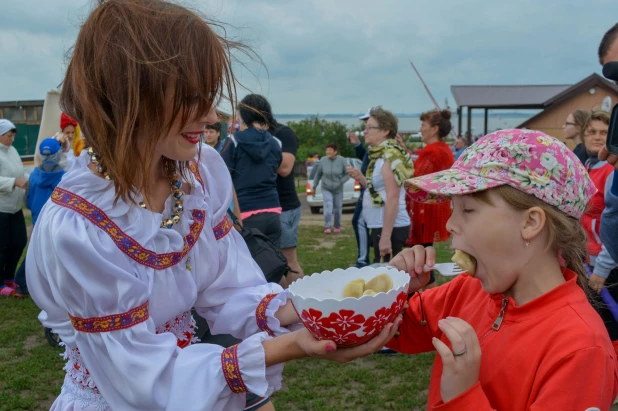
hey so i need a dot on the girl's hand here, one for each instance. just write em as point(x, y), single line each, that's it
point(596, 283)
point(328, 350)
point(385, 245)
point(413, 261)
point(462, 362)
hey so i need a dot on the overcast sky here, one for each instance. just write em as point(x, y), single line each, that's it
point(342, 56)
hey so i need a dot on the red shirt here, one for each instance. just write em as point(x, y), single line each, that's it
point(591, 220)
point(552, 353)
point(429, 220)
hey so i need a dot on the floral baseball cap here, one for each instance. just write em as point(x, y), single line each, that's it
point(528, 160)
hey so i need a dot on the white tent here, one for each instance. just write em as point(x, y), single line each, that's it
point(50, 121)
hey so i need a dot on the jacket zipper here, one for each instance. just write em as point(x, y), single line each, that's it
point(498, 322)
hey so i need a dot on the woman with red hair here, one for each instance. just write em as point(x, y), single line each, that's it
point(429, 220)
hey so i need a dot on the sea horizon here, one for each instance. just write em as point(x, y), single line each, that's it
point(410, 122)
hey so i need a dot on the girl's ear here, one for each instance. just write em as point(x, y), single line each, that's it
point(533, 222)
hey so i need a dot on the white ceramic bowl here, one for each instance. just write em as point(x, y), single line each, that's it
point(318, 300)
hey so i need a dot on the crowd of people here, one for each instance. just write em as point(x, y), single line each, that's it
point(148, 239)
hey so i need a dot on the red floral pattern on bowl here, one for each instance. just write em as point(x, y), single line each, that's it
point(347, 321)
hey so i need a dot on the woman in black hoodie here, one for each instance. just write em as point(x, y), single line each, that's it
point(253, 157)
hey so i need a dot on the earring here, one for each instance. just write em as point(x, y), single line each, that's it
point(526, 240)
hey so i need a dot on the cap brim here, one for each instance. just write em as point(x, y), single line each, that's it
point(365, 117)
point(441, 186)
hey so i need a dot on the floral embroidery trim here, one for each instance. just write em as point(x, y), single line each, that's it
point(260, 314)
point(125, 243)
point(80, 386)
point(193, 167)
point(111, 322)
point(223, 228)
point(231, 370)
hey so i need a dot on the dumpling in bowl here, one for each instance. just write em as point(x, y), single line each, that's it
point(369, 292)
point(380, 283)
point(354, 288)
point(465, 261)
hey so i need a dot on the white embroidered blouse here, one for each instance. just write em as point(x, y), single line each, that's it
point(118, 290)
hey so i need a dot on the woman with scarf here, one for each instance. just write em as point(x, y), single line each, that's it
point(384, 205)
point(429, 220)
point(70, 139)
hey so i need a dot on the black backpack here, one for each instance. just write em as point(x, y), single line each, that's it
point(267, 256)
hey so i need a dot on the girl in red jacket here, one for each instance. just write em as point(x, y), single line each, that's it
point(517, 332)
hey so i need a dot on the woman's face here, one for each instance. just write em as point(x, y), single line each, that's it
point(570, 129)
point(182, 142)
point(595, 136)
point(211, 136)
point(374, 136)
point(7, 138)
point(331, 152)
point(492, 235)
point(69, 132)
point(427, 131)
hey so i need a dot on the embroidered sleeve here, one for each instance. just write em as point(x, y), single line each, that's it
point(231, 370)
point(111, 322)
point(260, 314)
point(223, 228)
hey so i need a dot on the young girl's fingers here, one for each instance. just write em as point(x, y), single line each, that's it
point(466, 332)
point(458, 342)
point(445, 353)
point(419, 258)
point(430, 256)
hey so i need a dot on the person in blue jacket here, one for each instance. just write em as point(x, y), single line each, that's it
point(253, 157)
point(42, 183)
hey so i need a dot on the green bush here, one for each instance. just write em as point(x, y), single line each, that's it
point(315, 133)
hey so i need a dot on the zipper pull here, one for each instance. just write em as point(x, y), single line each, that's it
point(498, 323)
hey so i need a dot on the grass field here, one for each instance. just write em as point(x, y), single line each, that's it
point(31, 371)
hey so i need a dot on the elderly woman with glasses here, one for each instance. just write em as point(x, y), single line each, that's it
point(384, 205)
point(13, 184)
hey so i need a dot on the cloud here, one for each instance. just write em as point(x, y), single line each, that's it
point(344, 56)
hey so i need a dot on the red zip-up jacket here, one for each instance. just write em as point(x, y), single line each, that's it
point(591, 220)
point(552, 353)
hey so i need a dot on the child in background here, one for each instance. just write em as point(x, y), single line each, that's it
point(518, 332)
point(42, 182)
point(45, 177)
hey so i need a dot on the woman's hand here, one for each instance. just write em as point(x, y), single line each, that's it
point(612, 159)
point(596, 282)
point(353, 138)
point(21, 183)
point(461, 364)
point(413, 261)
point(385, 245)
point(355, 173)
point(328, 350)
point(286, 314)
point(400, 141)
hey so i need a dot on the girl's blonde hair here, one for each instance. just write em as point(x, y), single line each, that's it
point(567, 238)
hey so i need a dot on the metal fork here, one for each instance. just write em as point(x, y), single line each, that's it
point(446, 269)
